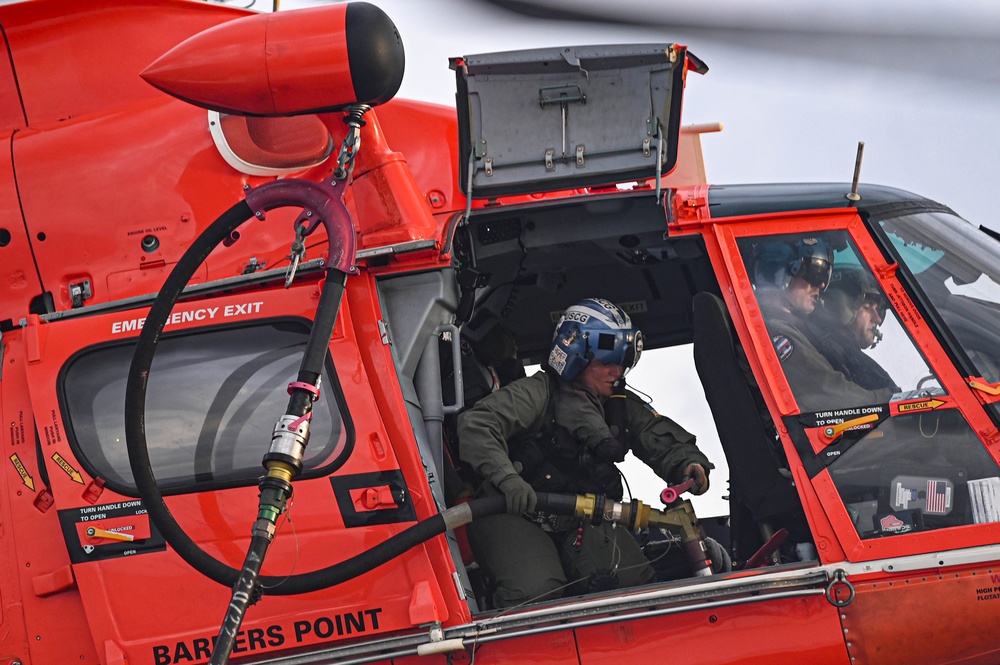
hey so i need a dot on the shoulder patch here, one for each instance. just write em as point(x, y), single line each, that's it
point(783, 346)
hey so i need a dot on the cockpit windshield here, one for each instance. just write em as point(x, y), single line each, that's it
point(958, 268)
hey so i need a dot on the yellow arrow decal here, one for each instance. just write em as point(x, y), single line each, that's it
point(925, 405)
point(26, 478)
point(68, 468)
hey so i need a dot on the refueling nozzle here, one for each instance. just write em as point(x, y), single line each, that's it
point(670, 494)
point(635, 515)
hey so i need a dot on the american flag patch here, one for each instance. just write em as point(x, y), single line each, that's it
point(783, 346)
point(938, 497)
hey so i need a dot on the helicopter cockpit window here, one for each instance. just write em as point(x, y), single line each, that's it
point(839, 342)
point(916, 472)
point(211, 405)
point(902, 457)
point(956, 266)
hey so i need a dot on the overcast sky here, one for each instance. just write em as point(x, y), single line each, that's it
point(797, 85)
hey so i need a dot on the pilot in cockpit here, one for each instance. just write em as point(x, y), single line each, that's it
point(848, 323)
point(790, 275)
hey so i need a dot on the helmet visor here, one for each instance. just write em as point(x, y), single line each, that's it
point(623, 348)
point(633, 350)
point(816, 271)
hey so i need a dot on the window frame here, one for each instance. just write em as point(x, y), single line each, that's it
point(331, 390)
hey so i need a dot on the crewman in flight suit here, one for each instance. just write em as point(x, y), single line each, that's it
point(516, 441)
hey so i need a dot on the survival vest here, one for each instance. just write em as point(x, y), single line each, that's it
point(553, 460)
point(839, 347)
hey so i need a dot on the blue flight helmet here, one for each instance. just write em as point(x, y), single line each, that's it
point(593, 329)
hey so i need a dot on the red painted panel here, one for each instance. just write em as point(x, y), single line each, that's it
point(791, 630)
point(11, 115)
point(929, 618)
point(47, 38)
point(428, 135)
point(92, 191)
point(385, 599)
point(51, 627)
point(18, 277)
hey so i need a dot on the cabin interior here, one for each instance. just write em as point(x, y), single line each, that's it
point(521, 267)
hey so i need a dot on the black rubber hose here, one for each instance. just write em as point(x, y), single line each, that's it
point(135, 431)
point(135, 402)
point(420, 532)
point(319, 341)
point(243, 597)
point(135, 394)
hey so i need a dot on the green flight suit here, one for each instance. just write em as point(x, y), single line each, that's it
point(527, 562)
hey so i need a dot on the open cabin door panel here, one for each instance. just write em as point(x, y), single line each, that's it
point(585, 115)
point(217, 385)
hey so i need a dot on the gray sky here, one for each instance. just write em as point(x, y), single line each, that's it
point(797, 85)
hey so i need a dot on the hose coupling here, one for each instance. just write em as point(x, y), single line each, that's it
point(289, 441)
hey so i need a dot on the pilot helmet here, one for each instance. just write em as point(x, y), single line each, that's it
point(850, 287)
point(775, 263)
point(593, 329)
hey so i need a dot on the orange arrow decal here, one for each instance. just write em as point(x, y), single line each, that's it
point(26, 478)
point(926, 405)
point(67, 467)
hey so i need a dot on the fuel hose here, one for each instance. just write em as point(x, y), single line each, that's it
point(322, 201)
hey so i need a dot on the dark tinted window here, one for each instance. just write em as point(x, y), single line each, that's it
point(901, 456)
point(956, 266)
point(916, 472)
point(211, 406)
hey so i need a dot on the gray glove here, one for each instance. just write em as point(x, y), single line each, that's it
point(721, 561)
point(520, 496)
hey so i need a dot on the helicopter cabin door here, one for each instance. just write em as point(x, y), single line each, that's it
point(218, 384)
point(892, 452)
